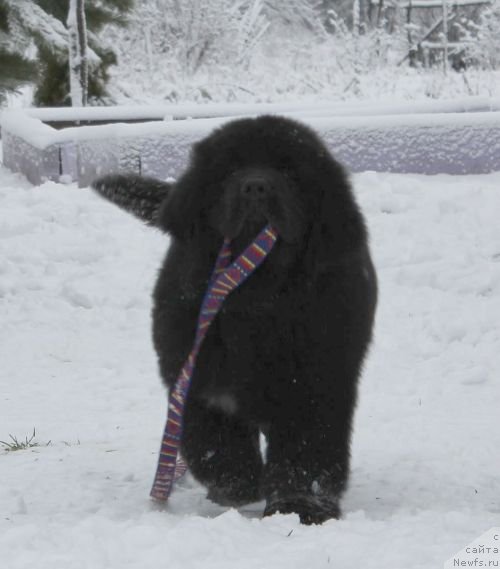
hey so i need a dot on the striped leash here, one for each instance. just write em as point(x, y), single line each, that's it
point(225, 278)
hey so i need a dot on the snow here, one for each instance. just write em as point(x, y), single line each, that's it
point(438, 3)
point(49, 29)
point(428, 139)
point(78, 45)
point(78, 365)
point(129, 112)
point(30, 123)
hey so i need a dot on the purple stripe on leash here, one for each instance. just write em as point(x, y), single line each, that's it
point(225, 278)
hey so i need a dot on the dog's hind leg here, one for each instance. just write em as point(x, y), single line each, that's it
point(222, 453)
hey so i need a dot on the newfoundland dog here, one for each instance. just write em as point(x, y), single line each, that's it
point(284, 355)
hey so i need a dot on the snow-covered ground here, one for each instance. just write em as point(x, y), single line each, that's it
point(77, 364)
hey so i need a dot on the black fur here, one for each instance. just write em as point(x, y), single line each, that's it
point(136, 194)
point(284, 355)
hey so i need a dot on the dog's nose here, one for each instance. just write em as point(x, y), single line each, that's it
point(255, 188)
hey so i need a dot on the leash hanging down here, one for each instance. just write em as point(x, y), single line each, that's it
point(225, 278)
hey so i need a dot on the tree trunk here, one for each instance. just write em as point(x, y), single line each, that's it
point(78, 63)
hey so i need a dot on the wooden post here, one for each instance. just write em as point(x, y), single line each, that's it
point(445, 36)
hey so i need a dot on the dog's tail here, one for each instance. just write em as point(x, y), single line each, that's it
point(137, 195)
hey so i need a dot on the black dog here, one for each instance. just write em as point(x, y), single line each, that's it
point(284, 355)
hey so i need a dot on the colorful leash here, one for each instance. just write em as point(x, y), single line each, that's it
point(225, 278)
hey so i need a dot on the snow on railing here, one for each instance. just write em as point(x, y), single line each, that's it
point(430, 137)
point(435, 3)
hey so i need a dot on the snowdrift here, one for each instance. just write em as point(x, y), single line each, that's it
point(77, 363)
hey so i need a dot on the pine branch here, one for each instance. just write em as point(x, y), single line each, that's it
point(16, 70)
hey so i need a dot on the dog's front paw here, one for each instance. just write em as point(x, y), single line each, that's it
point(309, 510)
point(234, 496)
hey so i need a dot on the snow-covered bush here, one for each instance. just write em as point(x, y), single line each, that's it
point(206, 50)
point(258, 50)
point(482, 38)
point(34, 46)
point(180, 42)
point(16, 68)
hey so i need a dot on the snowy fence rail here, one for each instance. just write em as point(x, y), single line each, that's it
point(460, 137)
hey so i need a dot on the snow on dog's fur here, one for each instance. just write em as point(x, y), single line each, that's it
point(284, 355)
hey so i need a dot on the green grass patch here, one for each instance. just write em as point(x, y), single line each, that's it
point(19, 444)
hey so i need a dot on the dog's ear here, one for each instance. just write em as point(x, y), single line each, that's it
point(140, 196)
point(181, 214)
point(178, 213)
point(338, 227)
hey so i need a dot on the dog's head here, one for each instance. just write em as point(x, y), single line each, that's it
point(254, 195)
point(273, 170)
point(251, 172)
